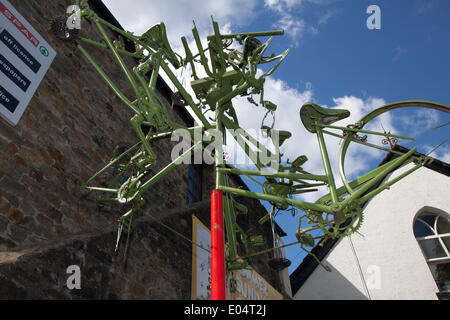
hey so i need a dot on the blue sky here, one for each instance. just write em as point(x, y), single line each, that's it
point(406, 59)
point(335, 61)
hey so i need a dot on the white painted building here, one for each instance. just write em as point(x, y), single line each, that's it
point(400, 252)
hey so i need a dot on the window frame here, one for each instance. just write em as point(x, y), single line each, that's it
point(435, 235)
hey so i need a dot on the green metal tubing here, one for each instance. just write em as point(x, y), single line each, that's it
point(103, 189)
point(125, 34)
point(252, 155)
point(367, 131)
point(165, 135)
point(229, 217)
point(250, 34)
point(102, 45)
point(118, 58)
point(287, 175)
point(262, 196)
point(344, 146)
point(218, 43)
point(403, 104)
point(153, 104)
point(203, 59)
point(327, 166)
point(388, 184)
point(392, 166)
point(110, 164)
point(363, 143)
point(185, 95)
point(304, 191)
point(266, 218)
point(396, 105)
point(189, 57)
point(282, 57)
point(154, 76)
point(258, 55)
point(161, 174)
point(154, 110)
point(154, 137)
point(240, 89)
point(108, 80)
point(231, 125)
point(219, 152)
point(136, 123)
point(99, 199)
point(355, 183)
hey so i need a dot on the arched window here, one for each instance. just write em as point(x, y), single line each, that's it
point(432, 231)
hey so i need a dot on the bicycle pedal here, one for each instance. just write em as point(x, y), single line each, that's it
point(279, 264)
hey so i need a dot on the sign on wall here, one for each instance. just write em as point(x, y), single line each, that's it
point(201, 261)
point(24, 60)
point(250, 285)
point(244, 284)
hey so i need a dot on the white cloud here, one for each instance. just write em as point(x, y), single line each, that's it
point(293, 27)
point(178, 15)
point(440, 152)
point(424, 6)
point(280, 5)
point(398, 52)
point(323, 19)
point(302, 142)
point(289, 20)
point(419, 121)
point(443, 154)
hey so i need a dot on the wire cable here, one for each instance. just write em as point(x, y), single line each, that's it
point(358, 264)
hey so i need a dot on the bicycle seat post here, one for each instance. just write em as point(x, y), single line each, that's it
point(326, 162)
point(313, 118)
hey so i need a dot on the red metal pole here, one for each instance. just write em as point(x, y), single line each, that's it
point(217, 247)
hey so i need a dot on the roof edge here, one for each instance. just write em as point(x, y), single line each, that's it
point(309, 264)
point(103, 12)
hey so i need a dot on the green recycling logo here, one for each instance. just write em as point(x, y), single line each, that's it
point(44, 51)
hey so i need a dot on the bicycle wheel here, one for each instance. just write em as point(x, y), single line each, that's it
point(351, 137)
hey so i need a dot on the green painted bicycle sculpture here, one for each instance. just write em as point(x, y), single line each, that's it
point(230, 73)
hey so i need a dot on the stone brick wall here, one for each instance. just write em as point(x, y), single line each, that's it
point(157, 264)
point(47, 223)
point(68, 133)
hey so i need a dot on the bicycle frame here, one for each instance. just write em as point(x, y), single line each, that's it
point(151, 112)
point(216, 91)
point(369, 180)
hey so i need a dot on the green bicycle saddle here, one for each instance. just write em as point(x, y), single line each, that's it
point(310, 112)
point(156, 38)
